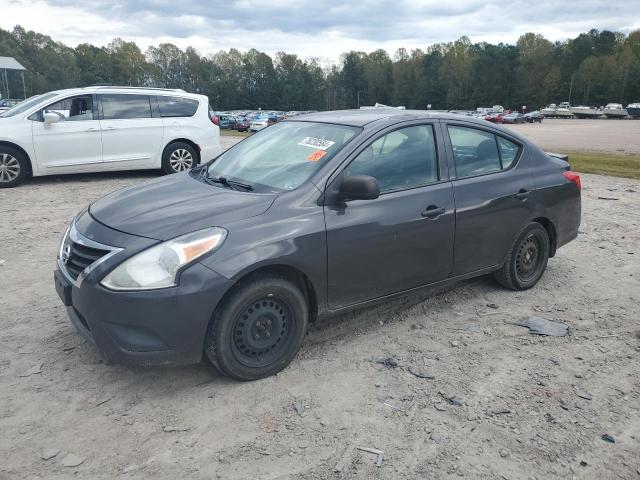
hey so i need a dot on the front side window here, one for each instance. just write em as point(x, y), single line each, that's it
point(404, 158)
point(121, 107)
point(177, 106)
point(282, 157)
point(477, 152)
point(72, 109)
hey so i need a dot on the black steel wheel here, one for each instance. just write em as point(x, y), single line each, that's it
point(262, 332)
point(258, 328)
point(527, 259)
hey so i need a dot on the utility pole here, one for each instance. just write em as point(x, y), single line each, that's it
point(359, 99)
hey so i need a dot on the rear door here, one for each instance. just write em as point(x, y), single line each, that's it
point(404, 238)
point(72, 144)
point(132, 131)
point(492, 187)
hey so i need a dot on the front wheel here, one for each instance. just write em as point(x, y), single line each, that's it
point(178, 157)
point(526, 260)
point(13, 167)
point(258, 328)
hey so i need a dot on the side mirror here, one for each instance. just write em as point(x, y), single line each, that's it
point(50, 118)
point(359, 187)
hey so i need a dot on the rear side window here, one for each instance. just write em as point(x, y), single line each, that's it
point(477, 152)
point(508, 151)
point(404, 158)
point(177, 106)
point(119, 107)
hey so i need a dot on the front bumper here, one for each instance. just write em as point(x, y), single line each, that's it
point(143, 327)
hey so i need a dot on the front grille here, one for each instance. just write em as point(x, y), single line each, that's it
point(80, 257)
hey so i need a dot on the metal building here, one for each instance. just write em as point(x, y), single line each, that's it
point(6, 64)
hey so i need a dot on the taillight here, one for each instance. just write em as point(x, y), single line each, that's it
point(215, 120)
point(573, 177)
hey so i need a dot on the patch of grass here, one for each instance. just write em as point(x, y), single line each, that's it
point(233, 133)
point(627, 166)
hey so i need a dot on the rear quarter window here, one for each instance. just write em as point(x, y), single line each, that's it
point(177, 106)
point(508, 151)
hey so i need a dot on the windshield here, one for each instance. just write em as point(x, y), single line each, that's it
point(27, 104)
point(283, 156)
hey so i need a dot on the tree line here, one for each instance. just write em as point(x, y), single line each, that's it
point(593, 68)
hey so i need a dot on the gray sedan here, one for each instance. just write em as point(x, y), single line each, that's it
point(315, 215)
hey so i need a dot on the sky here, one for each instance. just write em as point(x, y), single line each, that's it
point(314, 28)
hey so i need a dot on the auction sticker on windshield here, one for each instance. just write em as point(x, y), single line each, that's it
point(317, 143)
point(316, 155)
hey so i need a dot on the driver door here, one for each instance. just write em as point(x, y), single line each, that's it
point(404, 238)
point(74, 143)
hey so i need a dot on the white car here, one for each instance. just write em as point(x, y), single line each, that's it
point(260, 123)
point(98, 129)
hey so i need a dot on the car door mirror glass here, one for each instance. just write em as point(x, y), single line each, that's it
point(359, 187)
point(51, 117)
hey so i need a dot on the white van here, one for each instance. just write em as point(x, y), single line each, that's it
point(97, 129)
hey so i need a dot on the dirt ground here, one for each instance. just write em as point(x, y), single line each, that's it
point(503, 404)
point(608, 136)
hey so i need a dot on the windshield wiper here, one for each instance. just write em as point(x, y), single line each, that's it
point(230, 183)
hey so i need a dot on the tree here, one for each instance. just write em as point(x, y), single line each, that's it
point(597, 66)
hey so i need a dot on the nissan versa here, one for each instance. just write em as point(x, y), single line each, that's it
point(311, 216)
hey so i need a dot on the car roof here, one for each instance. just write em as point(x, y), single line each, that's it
point(390, 116)
point(360, 118)
point(124, 89)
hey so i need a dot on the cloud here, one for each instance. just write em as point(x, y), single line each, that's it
point(318, 28)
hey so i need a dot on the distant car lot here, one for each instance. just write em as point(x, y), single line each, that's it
point(607, 136)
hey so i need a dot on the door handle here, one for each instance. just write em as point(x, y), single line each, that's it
point(92, 130)
point(111, 128)
point(433, 211)
point(522, 194)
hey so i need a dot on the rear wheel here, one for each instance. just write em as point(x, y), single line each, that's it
point(258, 328)
point(178, 157)
point(527, 259)
point(13, 167)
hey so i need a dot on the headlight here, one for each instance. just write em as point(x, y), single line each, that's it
point(158, 266)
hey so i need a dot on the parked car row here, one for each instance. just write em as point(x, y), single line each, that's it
point(502, 116)
point(254, 121)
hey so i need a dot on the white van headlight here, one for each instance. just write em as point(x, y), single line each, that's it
point(158, 266)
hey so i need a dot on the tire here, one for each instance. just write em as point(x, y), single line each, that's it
point(178, 157)
point(258, 328)
point(14, 167)
point(527, 259)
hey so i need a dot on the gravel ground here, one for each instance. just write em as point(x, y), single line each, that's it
point(607, 136)
point(503, 403)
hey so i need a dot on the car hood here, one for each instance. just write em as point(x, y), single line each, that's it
point(174, 205)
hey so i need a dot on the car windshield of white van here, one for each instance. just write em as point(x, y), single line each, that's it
point(27, 104)
point(280, 157)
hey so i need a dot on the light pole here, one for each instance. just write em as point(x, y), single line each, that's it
point(359, 99)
